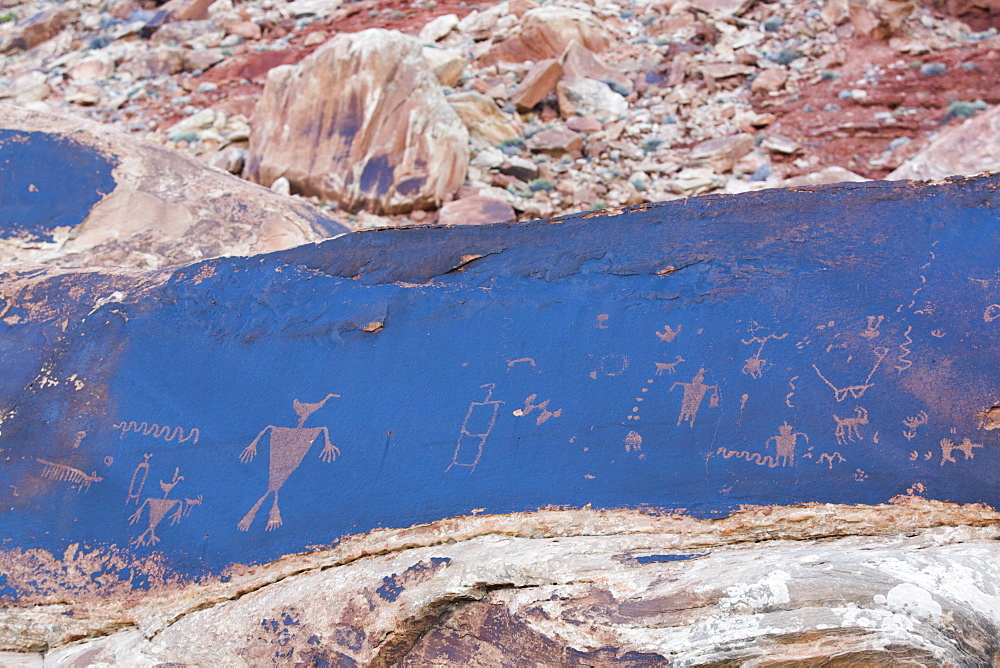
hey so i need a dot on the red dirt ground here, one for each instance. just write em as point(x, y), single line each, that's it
point(851, 136)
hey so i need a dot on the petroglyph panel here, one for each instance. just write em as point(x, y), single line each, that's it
point(241, 409)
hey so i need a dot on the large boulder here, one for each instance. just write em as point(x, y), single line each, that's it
point(545, 32)
point(37, 29)
point(488, 125)
point(879, 19)
point(964, 150)
point(75, 193)
point(362, 121)
point(756, 428)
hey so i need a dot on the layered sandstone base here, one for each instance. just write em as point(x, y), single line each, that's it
point(911, 583)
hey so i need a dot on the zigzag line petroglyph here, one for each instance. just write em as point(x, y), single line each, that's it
point(157, 431)
point(753, 457)
point(905, 347)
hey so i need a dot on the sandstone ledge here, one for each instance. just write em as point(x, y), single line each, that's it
point(720, 573)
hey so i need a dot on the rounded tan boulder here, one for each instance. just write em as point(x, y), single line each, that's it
point(545, 32)
point(964, 150)
point(76, 193)
point(362, 121)
point(476, 210)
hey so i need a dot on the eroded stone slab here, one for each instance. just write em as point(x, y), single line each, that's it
point(75, 193)
point(833, 344)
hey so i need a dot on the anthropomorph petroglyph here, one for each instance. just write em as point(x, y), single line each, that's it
point(694, 393)
point(847, 428)
point(784, 444)
point(965, 447)
point(668, 334)
point(755, 364)
point(159, 508)
point(544, 413)
point(64, 473)
point(476, 428)
point(288, 448)
point(633, 441)
point(856, 391)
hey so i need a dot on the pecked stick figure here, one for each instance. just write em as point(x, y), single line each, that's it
point(159, 508)
point(289, 446)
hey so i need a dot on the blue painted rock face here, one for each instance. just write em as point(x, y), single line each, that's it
point(49, 182)
point(74, 193)
point(773, 348)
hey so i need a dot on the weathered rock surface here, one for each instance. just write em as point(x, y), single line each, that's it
point(722, 153)
point(39, 28)
point(446, 65)
point(701, 70)
point(538, 82)
point(825, 176)
point(644, 591)
point(545, 32)
point(475, 210)
point(591, 98)
point(970, 148)
point(769, 81)
point(880, 19)
point(78, 194)
point(185, 10)
point(438, 28)
point(580, 62)
point(722, 8)
point(555, 140)
point(388, 141)
point(488, 126)
point(798, 446)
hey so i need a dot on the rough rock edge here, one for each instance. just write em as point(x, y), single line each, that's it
point(278, 224)
point(154, 610)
